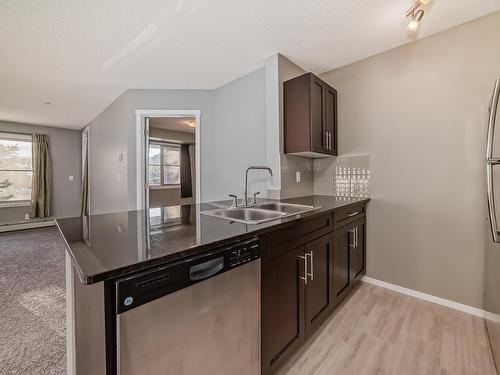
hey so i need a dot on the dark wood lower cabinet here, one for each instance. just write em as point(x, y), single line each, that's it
point(341, 245)
point(319, 301)
point(357, 254)
point(283, 323)
point(304, 279)
point(349, 258)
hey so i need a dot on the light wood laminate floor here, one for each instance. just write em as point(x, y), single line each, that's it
point(378, 331)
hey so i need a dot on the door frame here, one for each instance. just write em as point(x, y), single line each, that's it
point(141, 116)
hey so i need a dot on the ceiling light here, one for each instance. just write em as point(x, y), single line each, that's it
point(415, 21)
point(191, 124)
point(415, 14)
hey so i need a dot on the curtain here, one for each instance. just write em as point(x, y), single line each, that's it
point(84, 199)
point(42, 177)
point(186, 184)
point(186, 214)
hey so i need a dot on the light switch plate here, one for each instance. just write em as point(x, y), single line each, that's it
point(71, 178)
point(297, 176)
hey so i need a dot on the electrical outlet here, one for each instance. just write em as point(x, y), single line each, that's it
point(27, 216)
point(71, 178)
point(297, 176)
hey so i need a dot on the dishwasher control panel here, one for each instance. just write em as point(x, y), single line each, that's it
point(244, 254)
point(143, 287)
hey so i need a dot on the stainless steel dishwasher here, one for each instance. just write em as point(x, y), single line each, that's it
point(198, 316)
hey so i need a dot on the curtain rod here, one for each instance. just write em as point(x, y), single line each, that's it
point(12, 132)
point(174, 142)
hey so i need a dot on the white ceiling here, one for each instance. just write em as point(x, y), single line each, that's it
point(178, 124)
point(80, 55)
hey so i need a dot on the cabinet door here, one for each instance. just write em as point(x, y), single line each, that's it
point(357, 255)
point(331, 120)
point(283, 328)
point(341, 274)
point(318, 135)
point(319, 304)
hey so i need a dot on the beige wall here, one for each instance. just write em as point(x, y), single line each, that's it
point(66, 157)
point(420, 111)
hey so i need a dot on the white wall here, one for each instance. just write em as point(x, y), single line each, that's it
point(420, 112)
point(113, 182)
point(233, 136)
point(237, 141)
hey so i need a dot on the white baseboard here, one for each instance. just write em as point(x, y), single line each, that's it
point(27, 225)
point(427, 297)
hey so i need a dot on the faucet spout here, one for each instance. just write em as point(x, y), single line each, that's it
point(245, 198)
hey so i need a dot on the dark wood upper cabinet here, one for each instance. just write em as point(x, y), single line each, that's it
point(310, 117)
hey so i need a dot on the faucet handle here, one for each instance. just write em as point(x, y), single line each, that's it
point(235, 200)
point(255, 197)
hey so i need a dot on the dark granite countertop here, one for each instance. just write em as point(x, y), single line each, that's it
point(105, 246)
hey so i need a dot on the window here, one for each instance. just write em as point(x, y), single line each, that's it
point(164, 216)
point(15, 169)
point(164, 164)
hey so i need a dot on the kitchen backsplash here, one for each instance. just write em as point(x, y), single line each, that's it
point(290, 165)
point(343, 176)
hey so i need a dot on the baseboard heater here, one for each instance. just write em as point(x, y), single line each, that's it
point(27, 225)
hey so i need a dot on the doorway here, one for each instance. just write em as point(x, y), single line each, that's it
point(170, 178)
point(167, 130)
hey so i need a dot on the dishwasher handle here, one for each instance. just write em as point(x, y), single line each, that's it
point(207, 269)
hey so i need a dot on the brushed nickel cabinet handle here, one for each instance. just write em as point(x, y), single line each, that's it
point(350, 214)
point(352, 240)
point(357, 243)
point(311, 275)
point(305, 268)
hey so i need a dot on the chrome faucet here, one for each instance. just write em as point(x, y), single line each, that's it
point(245, 197)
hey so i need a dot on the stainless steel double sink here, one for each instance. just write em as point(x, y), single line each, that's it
point(260, 213)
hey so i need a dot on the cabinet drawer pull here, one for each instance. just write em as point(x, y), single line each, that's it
point(305, 268)
point(351, 214)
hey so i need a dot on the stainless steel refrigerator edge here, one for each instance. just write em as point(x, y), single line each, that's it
point(492, 251)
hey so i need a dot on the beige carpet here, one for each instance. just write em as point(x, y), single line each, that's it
point(32, 303)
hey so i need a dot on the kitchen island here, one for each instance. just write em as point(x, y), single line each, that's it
point(108, 247)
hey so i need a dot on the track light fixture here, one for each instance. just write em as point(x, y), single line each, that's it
point(415, 14)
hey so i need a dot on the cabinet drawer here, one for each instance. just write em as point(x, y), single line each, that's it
point(300, 233)
point(347, 215)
